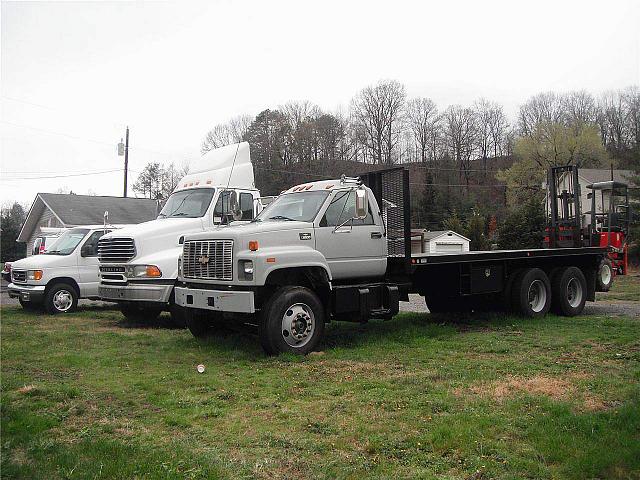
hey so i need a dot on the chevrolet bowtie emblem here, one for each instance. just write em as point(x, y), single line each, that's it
point(203, 260)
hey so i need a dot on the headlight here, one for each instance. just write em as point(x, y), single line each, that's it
point(143, 271)
point(34, 274)
point(246, 269)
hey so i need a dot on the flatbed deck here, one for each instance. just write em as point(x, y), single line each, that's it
point(492, 255)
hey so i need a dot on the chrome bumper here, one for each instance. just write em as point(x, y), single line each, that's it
point(135, 293)
point(28, 293)
point(218, 300)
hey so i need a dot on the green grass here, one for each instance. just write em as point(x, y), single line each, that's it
point(90, 396)
point(625, 287)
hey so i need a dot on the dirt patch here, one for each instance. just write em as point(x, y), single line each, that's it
point(27, 389)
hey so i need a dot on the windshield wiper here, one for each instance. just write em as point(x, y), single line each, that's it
point(281, 217)
point(179, 214)
point(52, 252)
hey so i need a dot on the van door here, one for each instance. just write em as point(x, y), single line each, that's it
point(356, 249)
point(88, 264)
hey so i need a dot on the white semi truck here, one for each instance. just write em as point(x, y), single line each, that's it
point(139, 264)
point(341, 250)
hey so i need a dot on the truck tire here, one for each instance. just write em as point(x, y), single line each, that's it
point(292, 321)
point(199, 322)
point(60, 298)
point(138, 314)
point(604, 278)
point(178, 316)
point(569, 292)
point(531, 293)
point(449, 304)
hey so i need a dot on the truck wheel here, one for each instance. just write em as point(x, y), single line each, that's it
point(178, 316)
point(60, 298)
point(137, 314)
point(531, 293)
point(604, 278)
point(292, 321)
point(569, 289)
point(199, 322)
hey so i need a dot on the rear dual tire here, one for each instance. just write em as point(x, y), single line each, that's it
point(569, 289)
point(531, 293)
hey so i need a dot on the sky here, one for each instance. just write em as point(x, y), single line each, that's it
point(73, 75)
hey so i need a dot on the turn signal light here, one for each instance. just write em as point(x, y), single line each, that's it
point(153, 271)
point(253, 245)
point(37, 275)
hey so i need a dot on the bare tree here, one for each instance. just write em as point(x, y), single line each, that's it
point(611, 118)
point(498, 127)
point(483, 111)
point(378, 112)
point(226, 133)
point(423, 121)
point(541, 108)
point(579, 108)
point(460, 131)
point(631, 98)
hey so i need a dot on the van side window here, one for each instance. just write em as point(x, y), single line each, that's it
point(341, 209)
point(246, 205)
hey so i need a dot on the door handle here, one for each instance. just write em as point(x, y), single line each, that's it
point(376, 234)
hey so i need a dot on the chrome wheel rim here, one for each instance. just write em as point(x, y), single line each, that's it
point(298, 325)
point(605, 274)
point(574, 292)
point(62, 300)
point(537, 296)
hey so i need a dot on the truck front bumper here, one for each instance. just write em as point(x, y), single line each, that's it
point(27, 293)
point(136, 292)
point(218, 300)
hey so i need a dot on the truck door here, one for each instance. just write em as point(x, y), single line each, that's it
point(88, 265)
point(356, 249)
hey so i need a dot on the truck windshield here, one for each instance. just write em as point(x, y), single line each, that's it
point(188, 203)
point(300, 207)
point(67, 242)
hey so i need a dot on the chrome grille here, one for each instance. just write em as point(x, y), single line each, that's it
point(208, 259)
point(116, 249)
point(19, 275)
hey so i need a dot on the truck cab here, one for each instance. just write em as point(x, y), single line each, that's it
point(139, 265)
point(64, 273)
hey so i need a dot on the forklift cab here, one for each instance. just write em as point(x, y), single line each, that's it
point(610, 210)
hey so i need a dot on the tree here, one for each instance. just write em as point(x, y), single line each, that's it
point(474, 231)
point(541, 108)
point(149, 182)
point(378, 111)
point(550, 145)
point(12, 218)
point(460, 132)
point(423, 121)
point(523, 227)
point(226, 133)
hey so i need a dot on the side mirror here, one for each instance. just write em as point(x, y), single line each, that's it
point(361, 204)
point(87, 250)
point(234, 205)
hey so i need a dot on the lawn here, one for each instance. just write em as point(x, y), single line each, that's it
point(90, 396)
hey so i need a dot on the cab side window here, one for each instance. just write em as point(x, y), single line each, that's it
point(92, 241)
point(343, 208)
point(221, 210)
point(246, 205)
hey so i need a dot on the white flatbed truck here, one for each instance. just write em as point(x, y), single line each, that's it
point(341, 250)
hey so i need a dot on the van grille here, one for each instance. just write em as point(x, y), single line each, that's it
point(208, 259)
point(116, 249)
point(19, 275)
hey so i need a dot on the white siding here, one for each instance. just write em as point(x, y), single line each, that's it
point(47, 219)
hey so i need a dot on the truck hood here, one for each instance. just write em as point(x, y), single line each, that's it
point(42, 261)
point(158, 235)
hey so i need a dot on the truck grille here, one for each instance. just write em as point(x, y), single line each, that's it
point(208, 259)
point(19, 275)
point(115, 250)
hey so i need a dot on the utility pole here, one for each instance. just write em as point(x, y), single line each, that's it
point(126, 161)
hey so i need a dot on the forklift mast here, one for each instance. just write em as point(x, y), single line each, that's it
point(564, 208)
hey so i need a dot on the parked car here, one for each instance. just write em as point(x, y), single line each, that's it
point(65, 272)
point(6, 271)
point(42, 242)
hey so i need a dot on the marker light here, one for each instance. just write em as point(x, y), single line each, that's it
point(253, 245)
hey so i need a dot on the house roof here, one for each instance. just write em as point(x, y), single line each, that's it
point(430, 235)
point(72, 210)
point(594, 175)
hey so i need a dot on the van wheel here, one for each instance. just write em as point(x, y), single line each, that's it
point(531, 293)
point(137, 314)
point(569, 288)
point(604, 278)
point(292, 321)
point(201, 323)
point(61, 298)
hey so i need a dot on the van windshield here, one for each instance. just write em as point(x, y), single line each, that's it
point(188, 203)
point(301, 207)
point(67, 242)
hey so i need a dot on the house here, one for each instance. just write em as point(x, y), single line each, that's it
point(53, 211)
point(438, 241)
point(588, 176)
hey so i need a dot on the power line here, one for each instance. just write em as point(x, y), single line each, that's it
point(62, 176)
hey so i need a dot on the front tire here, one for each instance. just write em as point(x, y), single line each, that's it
point(137, 314)
point(569, 288)
point(292, 321)
point(60, 298)
point(200, 322)
point(29, 306)
point(531, 293)
point(604, 278)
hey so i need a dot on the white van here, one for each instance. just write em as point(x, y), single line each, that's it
point(64, 273)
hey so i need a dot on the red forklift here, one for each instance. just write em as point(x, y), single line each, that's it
point(606, 224)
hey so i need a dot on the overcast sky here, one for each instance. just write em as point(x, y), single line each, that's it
point(75, 74)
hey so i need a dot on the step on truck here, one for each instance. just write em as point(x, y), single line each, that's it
point(341, 250)
point(139, 264)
